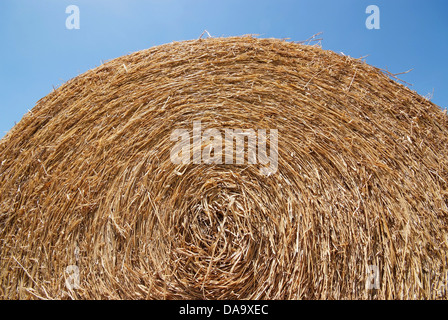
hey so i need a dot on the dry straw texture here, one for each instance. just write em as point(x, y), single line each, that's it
point(86, 180)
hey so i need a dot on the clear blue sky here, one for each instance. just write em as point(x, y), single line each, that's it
point(39, 52)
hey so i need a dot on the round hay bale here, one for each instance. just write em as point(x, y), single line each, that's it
point(92, 205)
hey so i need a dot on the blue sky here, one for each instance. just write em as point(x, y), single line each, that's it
point(39, 52)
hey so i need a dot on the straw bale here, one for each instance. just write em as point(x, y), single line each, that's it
point(86, 180)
